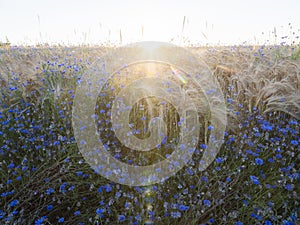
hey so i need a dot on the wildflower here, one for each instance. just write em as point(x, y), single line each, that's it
point(204, 178)
point(211, 220)
point(9, 181)
point(40, 220)
point(118, 195)
point(268, 222)
point(56, 143)
point(206, 202)
point(11, 166)
point(77, 213)
point(176, 214)
point(121, 218)
point(259, 161)
point(108, 188)
point(266, 127)
point(289, 187)
point(79, 173)
point(61, 220)
point(258, 217)
point(138, 217)
point(183, 207)
point(203, 146)
point(254, 179)
point(219, 160)
point(49, 191)
point(190, 171)
point(270, 160)
point(100, 189)
point(49, 207)
point(294, 142)
point(100, 212)
point(14, 203)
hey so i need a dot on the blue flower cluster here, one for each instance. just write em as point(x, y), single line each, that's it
point(255, 178)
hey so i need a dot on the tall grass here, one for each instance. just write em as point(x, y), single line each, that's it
point(254, 179)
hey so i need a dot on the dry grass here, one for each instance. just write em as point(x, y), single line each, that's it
point(264, 77)
point(258, 77)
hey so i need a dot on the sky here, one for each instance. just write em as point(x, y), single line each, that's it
point(72, 22)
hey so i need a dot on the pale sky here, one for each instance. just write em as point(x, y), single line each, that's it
point(97, 21)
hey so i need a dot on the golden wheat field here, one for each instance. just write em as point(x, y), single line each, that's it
point(262, 75)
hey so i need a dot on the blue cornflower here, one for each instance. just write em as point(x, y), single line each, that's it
point(175, 214)
point(294, 142)
point(182, 147)
point(219, 160)
point(108, 188)
point(138, 217)
point(62, 186)
point(77, 213)
point(253, 215)
point(100, 212)
point(228, 179)
point(14, 203)
point(121, 218)
point(2, 213)
point(49, 207)
point(49, 191)
point(204, 178)
point(190, 171)
point(259, 161)
point(11, 165)
point(79, 173)
point(267, 127)
point(229, 100)
point(183, 207)
point(289, 187)
point(254, 179)
point(271, 204)
point(40, 220)
point(55, 143)
point(206, 202)
point(61, 220)
point(268, 222)
point(203, 146)
point(100, 189)
point(270, 160)
point(118, 194)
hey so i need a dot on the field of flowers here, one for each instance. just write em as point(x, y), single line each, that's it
point(255, 178)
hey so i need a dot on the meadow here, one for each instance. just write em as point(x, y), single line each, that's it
point(255, 179)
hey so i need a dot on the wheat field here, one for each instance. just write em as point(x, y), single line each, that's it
point(254, 180)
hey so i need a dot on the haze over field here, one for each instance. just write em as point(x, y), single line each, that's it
point(96, 22)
